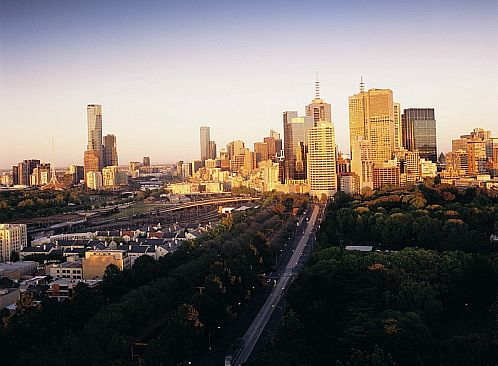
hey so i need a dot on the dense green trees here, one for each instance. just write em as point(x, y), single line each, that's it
point(430, 217)
point(413, 307)
point(34, 203)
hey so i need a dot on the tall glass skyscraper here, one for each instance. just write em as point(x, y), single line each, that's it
point(205, 138)
point(94, 118)
point(419, 132)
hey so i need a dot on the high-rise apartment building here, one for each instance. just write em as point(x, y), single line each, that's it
point(205, 138)
point(94, 120)
point(110, 154)
point(419, 132)
point(13, 237)
point(321, 164)
point(146, 161)
point(295, 129)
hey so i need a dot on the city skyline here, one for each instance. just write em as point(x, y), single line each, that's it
point(144, 98)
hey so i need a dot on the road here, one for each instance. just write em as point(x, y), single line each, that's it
point(252, 335)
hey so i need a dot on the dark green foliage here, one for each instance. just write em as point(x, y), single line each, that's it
point(435, 217)
point(413, 307)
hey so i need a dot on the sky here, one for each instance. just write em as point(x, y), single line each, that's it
point(162, 69)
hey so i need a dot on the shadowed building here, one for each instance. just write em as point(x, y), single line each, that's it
point(110, 151)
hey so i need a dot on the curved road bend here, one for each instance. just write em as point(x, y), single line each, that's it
point(252, 335)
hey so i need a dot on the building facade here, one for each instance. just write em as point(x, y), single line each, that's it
point(110, 154)
point(321, 164)
point(94, 120)
point(419, 132)
point(13, 237)
point(205, 138)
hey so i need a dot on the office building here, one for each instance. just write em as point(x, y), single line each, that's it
point(91, 162)
point(24, 171)
point(398, 135)
point(205, 138)
point(361, 163)
point(419, 132)
point(94, 180)
point(77, 172)
point(318, 110)
point(110, 154)
point(295, 129)
point(146, 161)
point(41, 175)
point(428, 169)
point(212, 150)
point(15, 174)
point(13, 237)
point(348, 183)
point(321, 164)
point(386, 174)
point(113, 177)
point(261, 149)
point(235, 148)
point(249, 161)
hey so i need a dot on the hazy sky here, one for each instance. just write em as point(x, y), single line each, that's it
point(162, 69)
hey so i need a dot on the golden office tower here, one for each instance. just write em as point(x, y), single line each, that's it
point(371, 121)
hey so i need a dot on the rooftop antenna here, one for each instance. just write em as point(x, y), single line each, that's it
point(317, 87)
point(362, 85)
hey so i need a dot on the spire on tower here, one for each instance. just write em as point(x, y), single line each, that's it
point(317, 87)
point(362, 85)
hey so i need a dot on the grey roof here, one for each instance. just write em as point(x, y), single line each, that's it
point(41, 249)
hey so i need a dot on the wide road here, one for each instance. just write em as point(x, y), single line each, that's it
point(252, 335)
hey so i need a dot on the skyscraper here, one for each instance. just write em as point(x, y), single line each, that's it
point(371, 131)
point(94, 119)
point(321, 164)
point(398, 137)
point(146, 161)
point(419, 132)
point(295, 129)
point(212, 150)
point(318, 109)
point(110, 151)
point(205, 138)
